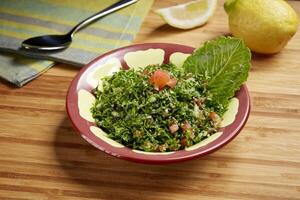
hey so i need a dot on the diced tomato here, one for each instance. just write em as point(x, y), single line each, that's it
point(146, 72)
point(159, 79)
point(214, 117)
point(172, 83)
point(173, 128)
point(199, 102)
point(186, 126)
point(183, 141)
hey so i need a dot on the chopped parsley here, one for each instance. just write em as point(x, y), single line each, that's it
point(138, 115)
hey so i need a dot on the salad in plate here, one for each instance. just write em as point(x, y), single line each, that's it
point(163, 108)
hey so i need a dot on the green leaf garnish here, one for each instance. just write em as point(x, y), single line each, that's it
point(224, 63)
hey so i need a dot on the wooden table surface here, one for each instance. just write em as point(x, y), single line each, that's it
point(41, 156)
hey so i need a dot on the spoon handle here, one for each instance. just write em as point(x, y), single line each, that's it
point(116, 6)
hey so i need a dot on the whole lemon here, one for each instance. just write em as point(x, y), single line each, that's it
point(265, 25)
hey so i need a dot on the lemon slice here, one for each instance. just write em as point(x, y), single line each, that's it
point(188, 15)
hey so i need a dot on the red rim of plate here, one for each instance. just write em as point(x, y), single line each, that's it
point(83, 126)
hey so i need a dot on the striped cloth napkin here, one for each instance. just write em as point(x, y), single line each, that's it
point(21, 19)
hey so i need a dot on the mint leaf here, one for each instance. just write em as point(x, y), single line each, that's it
point(224, 63)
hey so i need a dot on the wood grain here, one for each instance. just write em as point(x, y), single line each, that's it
point(41, 156)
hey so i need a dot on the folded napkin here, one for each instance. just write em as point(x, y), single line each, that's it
point(21, 19)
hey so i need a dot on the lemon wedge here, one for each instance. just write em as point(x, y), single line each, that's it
point(188, 15)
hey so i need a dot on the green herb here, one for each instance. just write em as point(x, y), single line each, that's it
point(224, 63)
point(135, 114)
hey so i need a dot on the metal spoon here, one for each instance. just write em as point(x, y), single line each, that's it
point(57, 42)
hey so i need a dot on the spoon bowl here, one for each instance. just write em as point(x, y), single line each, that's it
point(48, 42)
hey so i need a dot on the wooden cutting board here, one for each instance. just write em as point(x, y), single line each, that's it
point(41, 156)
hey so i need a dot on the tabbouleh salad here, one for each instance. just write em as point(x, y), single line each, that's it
point(162, 108)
